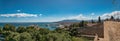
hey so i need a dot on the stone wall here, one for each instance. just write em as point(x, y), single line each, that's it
point(111, 31)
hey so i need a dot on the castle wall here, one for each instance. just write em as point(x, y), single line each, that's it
point(111, 31)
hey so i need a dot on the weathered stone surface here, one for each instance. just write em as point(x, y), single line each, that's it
point(111, 31)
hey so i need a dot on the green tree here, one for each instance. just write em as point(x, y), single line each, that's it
point(58, 37)
point(99, 19)
point(30, 27)
point(44, 31)
point(73, 32)
point(31, 34)
point(0, 29)
point(25, 37)
point(12, 36)
point(112, 18)
point(82, 24)
point(21, 29)
point(9, 27)
point(59, 30)
point(92, 21)
point(79, 39)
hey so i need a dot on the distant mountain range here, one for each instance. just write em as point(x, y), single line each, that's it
point(73, 21)
point(70, 20)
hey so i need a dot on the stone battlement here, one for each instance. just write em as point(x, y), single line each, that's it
point(111, 31)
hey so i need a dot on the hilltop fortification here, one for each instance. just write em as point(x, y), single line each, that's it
point(111, 31)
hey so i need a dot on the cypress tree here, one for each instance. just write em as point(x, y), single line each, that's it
point(112, 18)
point(99, 19)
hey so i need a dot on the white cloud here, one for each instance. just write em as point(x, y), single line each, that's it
point(78, 17)
point(19, 15)
point(116, 14)
point(89, 17)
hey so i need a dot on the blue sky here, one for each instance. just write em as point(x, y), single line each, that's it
point(54, 10)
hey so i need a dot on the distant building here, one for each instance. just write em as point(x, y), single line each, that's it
point(61, 26)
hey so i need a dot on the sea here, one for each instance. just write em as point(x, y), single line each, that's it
point(48, 25)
